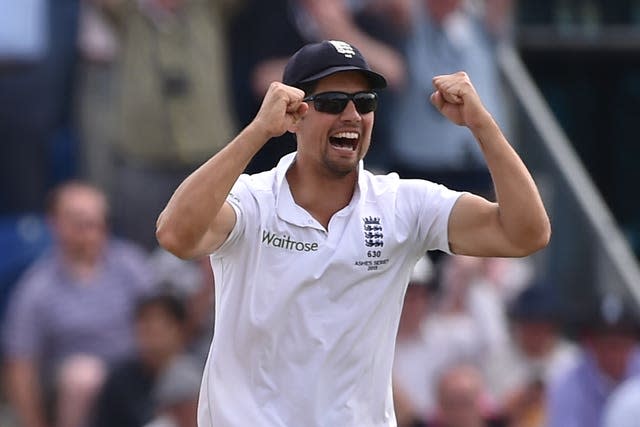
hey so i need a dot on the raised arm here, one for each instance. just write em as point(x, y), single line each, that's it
point(197, 219)
point(517, 225)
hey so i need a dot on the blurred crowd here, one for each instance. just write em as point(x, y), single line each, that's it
point(483, 342)
point(107, 105)
point(99, 332)
point(132, 95)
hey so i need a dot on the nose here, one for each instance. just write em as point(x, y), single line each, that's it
point(350, 114)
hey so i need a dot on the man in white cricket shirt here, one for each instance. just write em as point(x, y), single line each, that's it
point(312, 258)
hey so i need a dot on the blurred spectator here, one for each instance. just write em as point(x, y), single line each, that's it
point(126, 398)
point(471, 310)
point(465, 322)
point(177, 115)
point(193, 282)
point(176, 395)
point(37, 58)
point(610, 355)
point(537, 356)
point(463, 401)
point(70, 313)
point(443, 37)
point(278, 29)
point(623, 407)
point(96, 90)
point(412, 374)
point(23, 238)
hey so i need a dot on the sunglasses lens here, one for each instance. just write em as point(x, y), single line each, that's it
point(366, 102)
point(332, 103)
point(336, 102)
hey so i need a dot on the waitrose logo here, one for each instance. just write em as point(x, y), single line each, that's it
point(285, 242)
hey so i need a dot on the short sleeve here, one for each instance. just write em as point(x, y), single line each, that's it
point(22, 333)
point(429, 205)
point(243, 202)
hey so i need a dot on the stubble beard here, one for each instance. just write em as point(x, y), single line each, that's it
point(341, 169)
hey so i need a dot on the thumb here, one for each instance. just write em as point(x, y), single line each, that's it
point(437, 100)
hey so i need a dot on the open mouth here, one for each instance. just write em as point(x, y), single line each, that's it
point(345, 140)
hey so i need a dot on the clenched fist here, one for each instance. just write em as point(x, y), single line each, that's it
point(457, 99)
point(281, 108)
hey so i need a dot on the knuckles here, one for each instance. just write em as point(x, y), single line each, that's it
point(289, 93)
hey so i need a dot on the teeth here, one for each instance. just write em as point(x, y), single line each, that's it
point(348, 135)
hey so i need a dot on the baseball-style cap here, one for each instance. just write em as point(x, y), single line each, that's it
point(538, 302)
point(317, 60)
point(609, 313)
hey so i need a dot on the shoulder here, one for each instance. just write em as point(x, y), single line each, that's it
point(630, 387)
point(626, 396)
point(256, 183)
point(409, 196)
point(379, 184)
point(414, 189)
point(569, 381)
point(30, 300)
point(37, 277)
point(392, 182)
point(125, 251)
point(130, 260)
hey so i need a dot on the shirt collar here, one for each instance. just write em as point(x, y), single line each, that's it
point(289, 211)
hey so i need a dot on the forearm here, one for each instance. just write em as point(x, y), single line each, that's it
point(193, 208)
point(23, 392)
point(521, 212)
point(196, 220)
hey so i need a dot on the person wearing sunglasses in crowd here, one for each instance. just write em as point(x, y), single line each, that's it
point(312, 258)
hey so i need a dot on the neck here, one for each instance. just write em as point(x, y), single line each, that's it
point(320, 194)
point(81, 268)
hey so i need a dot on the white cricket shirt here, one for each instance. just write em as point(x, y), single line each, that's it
point(306, 318)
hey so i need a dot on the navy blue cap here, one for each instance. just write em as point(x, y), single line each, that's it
point(537, 302)
point(317, 60)
point(609, 312)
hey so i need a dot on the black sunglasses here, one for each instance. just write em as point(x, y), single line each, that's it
point(336, 102)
